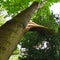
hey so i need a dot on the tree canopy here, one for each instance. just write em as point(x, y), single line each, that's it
point(43, 15)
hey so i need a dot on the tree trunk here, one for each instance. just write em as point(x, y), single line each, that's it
point(12, 31)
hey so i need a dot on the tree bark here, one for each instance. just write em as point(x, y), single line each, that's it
point(12, 31)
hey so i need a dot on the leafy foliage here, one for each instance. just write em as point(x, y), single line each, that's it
point(13, 6)
point(2, 20)
point(45, 18)
point(51, 52)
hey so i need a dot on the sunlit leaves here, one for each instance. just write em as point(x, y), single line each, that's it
point(13, 6)
point(2, 20)
point(46, 18)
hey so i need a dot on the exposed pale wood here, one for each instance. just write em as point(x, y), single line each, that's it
point(32, 26)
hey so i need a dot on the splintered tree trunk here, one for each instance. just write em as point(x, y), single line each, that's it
point(12, 31)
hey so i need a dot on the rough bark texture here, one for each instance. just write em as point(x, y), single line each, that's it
point(12, 31)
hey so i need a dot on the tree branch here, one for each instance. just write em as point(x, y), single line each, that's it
point(41, 29)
